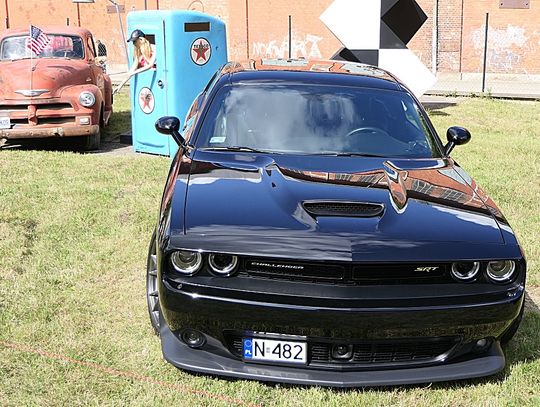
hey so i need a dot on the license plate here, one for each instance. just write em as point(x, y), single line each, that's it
point(274, 351)
point(5, 123)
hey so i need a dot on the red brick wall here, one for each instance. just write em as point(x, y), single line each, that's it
point(514, 45)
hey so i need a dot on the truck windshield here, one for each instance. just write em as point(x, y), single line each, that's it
point(317, 119)
point(59, 46)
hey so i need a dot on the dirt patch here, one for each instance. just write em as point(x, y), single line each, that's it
point(532, 299)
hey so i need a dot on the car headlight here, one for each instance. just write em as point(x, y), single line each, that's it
point(465, 271)
point(87, 99)
point(222, 264)
point(186, 262)
point(501, 270)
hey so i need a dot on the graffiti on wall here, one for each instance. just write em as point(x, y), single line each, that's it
point(505, 46)
point(306, 46)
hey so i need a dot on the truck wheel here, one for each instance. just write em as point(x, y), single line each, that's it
point(92, 142)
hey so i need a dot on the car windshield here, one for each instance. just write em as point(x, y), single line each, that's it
point(59, 46)
point(317, 119)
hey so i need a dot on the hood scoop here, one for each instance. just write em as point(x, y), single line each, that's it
point(343, 209)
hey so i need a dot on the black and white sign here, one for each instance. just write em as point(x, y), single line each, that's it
point(376, 32)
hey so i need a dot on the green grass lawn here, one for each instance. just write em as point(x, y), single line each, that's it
point(74, 230)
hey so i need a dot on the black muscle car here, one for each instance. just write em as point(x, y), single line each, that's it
point(315, 230)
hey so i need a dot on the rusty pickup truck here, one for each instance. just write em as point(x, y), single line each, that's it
point(60, 92)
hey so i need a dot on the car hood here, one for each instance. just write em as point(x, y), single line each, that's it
point(50, 74)
point(255, 204)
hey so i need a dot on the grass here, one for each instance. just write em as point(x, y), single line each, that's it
point(74, 230)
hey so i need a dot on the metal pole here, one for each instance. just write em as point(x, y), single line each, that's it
point(435, 37)
point(290, 37)
point(7, 14)
point(122, 31)
point(485, 54)
point(78, 15)
point(247, 28)
point(145, 5)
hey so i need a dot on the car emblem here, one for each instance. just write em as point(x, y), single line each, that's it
point(426, 269)
point(200, 51)
point(277, 265)
point(146, 100)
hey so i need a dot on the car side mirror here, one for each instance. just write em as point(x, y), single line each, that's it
point(170, 125)
point(456, 136)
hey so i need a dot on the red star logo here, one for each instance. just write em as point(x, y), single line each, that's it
point(146, 98)
point(201, 50)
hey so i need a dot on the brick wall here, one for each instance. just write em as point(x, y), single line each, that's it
point(260, 28)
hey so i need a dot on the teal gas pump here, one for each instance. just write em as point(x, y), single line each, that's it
point(190, 47)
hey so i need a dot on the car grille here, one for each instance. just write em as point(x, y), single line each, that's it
point(405, 352)
point(348, 209)
point(347, 274)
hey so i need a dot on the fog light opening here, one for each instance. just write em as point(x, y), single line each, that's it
point(342, 351)
point(193, 338)
point(482, 344)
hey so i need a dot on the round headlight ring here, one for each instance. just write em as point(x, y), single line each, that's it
point(186, 262)
point(222, 265)
point(501, 270)
point(87, 99)
point(465, 271)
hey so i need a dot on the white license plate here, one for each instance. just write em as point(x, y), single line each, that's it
point(5, 123)
point(274, 351)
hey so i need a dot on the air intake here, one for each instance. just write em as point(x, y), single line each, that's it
point(345, 209)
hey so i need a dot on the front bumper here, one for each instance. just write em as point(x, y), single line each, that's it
point(44, 132)
point(216, 361)
point(219, 308)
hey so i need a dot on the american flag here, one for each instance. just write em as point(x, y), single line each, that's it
point(37, 41)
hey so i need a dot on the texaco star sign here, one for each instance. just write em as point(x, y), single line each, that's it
point(376, 32)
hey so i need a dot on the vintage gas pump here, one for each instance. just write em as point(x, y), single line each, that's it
point(190, 47)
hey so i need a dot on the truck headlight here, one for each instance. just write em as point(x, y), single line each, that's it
point(501, 270)
point(87, 99)
point(186, 262)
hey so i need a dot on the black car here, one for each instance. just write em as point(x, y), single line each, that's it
point(315, 230)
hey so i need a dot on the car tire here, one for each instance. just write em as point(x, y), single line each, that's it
point(512, 329)
point(152, 296)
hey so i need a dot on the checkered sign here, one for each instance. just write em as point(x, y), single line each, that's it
point(377, 32)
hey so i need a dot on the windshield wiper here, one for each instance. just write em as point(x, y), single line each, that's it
point(347, 154)
point(237, 148)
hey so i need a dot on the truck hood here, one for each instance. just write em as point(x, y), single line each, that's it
point(256, 204)
point(44, 74)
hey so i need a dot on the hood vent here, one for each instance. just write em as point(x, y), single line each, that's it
point(343, 208)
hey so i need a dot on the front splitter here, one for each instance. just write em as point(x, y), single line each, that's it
point(215, 359)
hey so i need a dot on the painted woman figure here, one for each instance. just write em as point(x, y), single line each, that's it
point(144, 56)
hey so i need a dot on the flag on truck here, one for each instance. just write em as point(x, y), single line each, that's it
point(37, 41)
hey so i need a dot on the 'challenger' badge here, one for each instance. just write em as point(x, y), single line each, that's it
point(277, 265)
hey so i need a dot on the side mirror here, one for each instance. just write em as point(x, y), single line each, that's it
point(456, 136)
point(170, 125)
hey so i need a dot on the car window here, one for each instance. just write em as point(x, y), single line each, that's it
point(59, 46)
point(318, 119)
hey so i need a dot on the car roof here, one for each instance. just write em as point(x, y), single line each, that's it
point(312, 71)
point(49, 29)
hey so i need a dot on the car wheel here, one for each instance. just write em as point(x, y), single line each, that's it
point(152, 297)
point(512, 329)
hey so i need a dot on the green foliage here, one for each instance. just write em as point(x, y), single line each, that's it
point(74, 231)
